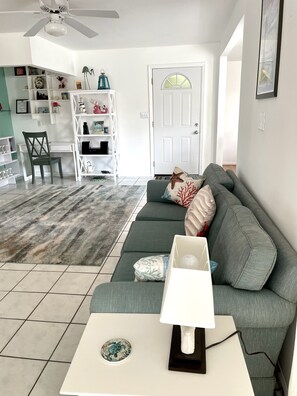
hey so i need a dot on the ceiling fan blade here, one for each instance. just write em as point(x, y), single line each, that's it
point(20, 12)
point(35, 28)
point(44, 7)
point(95, 13)
point(80, 27)
point(63, 5)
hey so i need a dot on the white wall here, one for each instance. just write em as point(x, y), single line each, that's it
point(127, 70)
point(231, 112)
point(46, 54)
point(17, 50)
point(267, 161)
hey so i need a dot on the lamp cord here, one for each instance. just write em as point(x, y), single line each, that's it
point(244, 346)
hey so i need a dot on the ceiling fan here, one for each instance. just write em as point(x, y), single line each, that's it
point(59, 14)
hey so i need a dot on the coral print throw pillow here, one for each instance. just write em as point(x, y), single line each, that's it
point(182, 188)
point(200, 213)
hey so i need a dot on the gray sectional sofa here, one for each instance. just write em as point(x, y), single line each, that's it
point(255, 281)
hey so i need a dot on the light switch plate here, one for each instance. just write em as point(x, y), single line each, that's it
point(144, 115)
point(262, 121)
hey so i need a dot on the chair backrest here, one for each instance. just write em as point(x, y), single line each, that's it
point(37, 144)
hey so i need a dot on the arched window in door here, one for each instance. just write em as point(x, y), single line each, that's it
point(176, 81)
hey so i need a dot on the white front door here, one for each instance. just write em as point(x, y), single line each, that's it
point(177, 114)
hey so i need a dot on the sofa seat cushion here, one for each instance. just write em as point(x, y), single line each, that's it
point(152, 236)
point(215, 174)
point(161, 211)
point(245, 252)
point(124, 270)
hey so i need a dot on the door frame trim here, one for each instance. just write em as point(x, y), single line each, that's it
point(151, 107)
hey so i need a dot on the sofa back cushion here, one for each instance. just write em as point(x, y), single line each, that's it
point(244, 251)
point(224, 199)
point(283, 278)
point(215, 174)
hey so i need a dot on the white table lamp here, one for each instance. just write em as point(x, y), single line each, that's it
point(188, 303)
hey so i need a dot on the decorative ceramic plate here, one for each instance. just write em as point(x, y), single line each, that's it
point(116, 349)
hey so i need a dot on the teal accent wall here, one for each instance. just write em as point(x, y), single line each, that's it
point(5, 116)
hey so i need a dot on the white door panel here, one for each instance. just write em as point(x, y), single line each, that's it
point(176, 112)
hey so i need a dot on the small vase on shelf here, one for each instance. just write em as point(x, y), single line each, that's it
point(86, 129)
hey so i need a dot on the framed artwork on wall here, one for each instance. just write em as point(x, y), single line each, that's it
point(22, 106)
point(269, 48)
point(20, 71)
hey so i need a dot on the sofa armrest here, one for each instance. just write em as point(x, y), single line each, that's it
point(250, 309)
point(155, 190)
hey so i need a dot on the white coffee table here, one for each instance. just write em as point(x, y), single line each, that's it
point(144, 372)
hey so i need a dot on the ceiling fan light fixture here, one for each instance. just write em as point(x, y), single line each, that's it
point(55, 28)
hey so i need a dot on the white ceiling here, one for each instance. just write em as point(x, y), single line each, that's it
point(142, 23)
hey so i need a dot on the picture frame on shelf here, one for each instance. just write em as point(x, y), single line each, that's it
point(20, 71)
point(43, 110)
point(22, 106)
point(40, 82)
point(64, 95)
point(98, 127)
point(41, 96)
point(33, 71)
point(78, 85)
point(269, 48)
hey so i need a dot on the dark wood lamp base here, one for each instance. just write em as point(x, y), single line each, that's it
point(193, 363)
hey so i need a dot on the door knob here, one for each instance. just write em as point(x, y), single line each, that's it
point(196, 132)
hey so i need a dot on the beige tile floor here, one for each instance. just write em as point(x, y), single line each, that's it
point(44, 310)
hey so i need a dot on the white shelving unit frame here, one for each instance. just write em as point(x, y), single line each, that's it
point(9, 167)
point(110, 160)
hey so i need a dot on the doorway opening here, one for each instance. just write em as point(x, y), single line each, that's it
point(229, 100)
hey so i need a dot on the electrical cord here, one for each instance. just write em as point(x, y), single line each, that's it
point(244, 346)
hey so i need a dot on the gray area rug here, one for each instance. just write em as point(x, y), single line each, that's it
point(65, 225)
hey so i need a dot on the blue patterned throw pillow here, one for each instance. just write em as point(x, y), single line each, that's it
point(154, 268)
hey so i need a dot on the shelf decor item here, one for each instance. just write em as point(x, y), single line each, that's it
point(85, 128)
point(81, 105)
point(85, 72)
point(188, 303)
point(62, 82)
point(98, 126)
point(43, 110)
point(269, 48)
point(40, 82)
point(56, 107)
point(103, 82)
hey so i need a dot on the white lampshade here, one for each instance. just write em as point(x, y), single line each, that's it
point(188, 296)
